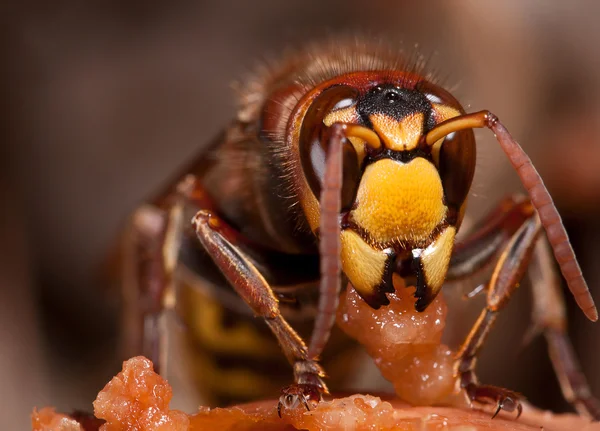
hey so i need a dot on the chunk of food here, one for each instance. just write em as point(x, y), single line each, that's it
point(405, 344)
point(137, 399)
point(369, 413)
point(48, 420)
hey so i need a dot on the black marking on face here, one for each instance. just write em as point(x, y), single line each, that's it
point(422, 292)
point(396, 103)
point(378, 296)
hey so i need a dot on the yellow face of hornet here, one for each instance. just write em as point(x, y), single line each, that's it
point(400, 220)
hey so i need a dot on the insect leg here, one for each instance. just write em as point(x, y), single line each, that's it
point(151, 247)
point(219, 241)
point(481, 246)
point(508, 272)
point(549, 317)
point(479, 249)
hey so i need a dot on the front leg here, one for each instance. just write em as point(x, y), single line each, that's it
point(219, 240)
point(506, 277)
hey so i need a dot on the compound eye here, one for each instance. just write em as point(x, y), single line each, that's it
point(344, 103)
point(313, 141)
point(457, 152)
point(444, 105)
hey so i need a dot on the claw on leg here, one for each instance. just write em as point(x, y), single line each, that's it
point(295, 394)
point(504, 399)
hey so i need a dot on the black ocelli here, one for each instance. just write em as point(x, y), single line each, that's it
point(395, 102)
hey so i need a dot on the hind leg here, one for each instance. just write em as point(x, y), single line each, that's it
point(549, 318)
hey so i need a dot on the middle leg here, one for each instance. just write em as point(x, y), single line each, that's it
point(549, 318)
point(506, 277)
point(479, 250)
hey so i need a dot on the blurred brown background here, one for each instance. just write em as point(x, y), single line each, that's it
point(103, 101)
